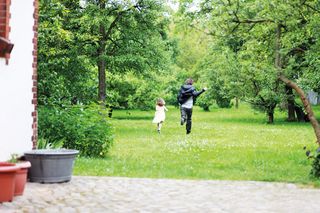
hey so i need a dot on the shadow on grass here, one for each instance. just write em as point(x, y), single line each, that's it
point(279, 121)
point(240, 120)
point(128, 117)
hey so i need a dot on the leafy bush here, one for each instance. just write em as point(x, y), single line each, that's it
point(224, 102)
point(132, 92)
point(44, 144)
point(84, 128)
point(205, 100)
point(315, 170)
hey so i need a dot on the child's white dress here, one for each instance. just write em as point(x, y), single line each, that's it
point(159, 115)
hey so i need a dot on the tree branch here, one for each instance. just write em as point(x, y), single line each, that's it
point(249, 21)
point(311, 7)
point(114, 22)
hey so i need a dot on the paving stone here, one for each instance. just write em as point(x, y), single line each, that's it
point(113, 194)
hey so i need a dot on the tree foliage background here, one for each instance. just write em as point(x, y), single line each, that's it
point(126, 41)
point(124, 54)
point(240, 60)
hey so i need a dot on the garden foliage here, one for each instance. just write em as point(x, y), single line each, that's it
point(84, 128)
point(315, 171)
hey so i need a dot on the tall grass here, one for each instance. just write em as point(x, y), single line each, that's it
point(228, 144)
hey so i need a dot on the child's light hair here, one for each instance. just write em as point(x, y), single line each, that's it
point(160, 102)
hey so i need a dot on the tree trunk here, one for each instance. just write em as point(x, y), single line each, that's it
point(301, 116)
point(306, 105)
point(277, 61)
point(102, 79)
point(290, 101)
point(294, 86)
point(237, 103)
point(101, 61)
point(110, 112)
point(270, 117)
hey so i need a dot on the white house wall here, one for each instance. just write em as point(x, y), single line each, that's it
point(16, 83)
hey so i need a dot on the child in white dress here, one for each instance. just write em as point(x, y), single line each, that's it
point(160, 115)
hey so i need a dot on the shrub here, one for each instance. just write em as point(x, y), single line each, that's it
point(84, 128)
point(44, 144)
point(224, 102)
point(315, 170)
point(205, 101)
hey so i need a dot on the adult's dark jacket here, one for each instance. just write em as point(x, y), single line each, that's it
point(186, 91)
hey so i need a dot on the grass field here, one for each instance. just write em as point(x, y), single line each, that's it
point(225, 144)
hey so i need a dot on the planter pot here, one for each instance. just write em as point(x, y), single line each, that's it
point(50, 165)
point(7, 181)
point(21, 177)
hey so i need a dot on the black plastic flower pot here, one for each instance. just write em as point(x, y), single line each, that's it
point(50, 165)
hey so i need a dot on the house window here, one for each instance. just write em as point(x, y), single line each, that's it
point(5, 45)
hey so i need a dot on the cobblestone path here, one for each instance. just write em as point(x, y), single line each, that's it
point(111, 194)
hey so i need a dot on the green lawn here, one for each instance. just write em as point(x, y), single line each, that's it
point(225, 144)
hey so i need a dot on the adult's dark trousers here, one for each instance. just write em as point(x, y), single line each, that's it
point(186, 115)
